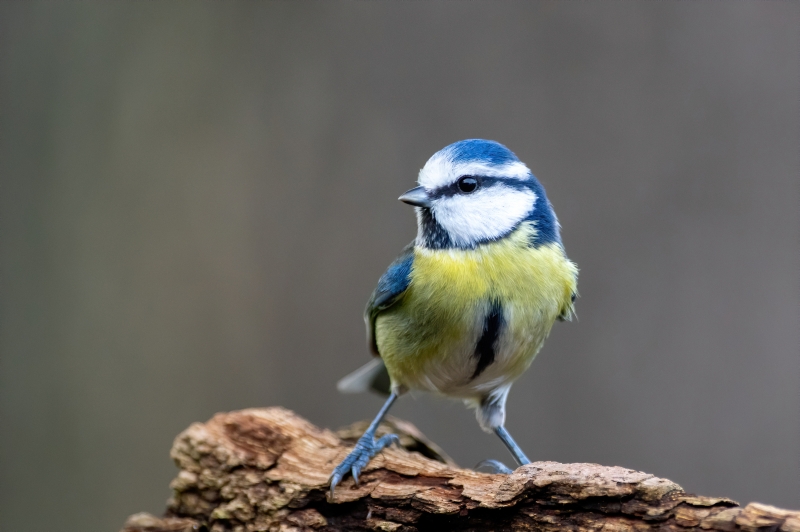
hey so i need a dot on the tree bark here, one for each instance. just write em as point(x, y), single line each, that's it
point(267, 469)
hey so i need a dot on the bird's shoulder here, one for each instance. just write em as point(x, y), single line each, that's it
point(391, 286)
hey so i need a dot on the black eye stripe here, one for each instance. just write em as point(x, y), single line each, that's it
point(483, 182)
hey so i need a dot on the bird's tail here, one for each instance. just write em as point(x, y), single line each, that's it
point(371, 376)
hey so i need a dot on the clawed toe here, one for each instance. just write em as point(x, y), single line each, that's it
point(359, 457)
point(495, 466)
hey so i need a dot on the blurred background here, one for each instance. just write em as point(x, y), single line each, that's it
point(196, 200)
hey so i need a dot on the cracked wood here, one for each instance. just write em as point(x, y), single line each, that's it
point(267, 469)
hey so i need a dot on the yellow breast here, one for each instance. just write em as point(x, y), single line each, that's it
point(428, 339)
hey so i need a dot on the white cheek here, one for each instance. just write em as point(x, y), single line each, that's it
point(485, 215)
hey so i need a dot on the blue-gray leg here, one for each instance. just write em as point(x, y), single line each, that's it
point(366, 447)
point(492, 416)
point(519, 456)
point(499, 467)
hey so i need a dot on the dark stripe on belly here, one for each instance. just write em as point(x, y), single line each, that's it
point(484, 350)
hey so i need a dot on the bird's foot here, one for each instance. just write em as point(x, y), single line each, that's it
point(366, 447)
point(495, 466)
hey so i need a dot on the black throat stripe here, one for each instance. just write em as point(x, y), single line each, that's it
point(485, 348)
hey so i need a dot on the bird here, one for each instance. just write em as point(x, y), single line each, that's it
point(465, 308)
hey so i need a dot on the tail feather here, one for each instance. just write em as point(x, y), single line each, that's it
point(371, 376)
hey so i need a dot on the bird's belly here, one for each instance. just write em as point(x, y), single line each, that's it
point(439, 353)
point(430, 340)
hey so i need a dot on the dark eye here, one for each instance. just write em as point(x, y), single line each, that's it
point(467, 184)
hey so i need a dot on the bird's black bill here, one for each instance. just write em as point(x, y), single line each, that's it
point(417, 197)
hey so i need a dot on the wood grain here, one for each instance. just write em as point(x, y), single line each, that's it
point(267, 469)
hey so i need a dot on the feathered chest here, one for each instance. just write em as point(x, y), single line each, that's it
point(475, 318)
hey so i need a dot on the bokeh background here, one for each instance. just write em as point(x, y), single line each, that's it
point(196, 200)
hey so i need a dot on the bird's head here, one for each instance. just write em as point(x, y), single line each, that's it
point(477, 191)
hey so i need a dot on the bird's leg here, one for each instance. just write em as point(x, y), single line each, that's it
point(491, 416)
point(495, 466)
point(366, 447)
point(519, 456)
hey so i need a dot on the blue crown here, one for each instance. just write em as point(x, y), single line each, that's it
point(487, 151)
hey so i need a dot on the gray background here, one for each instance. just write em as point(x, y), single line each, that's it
point(197, 200)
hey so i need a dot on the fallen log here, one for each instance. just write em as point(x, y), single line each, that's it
point(267, 469)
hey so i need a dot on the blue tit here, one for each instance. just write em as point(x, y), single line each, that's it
point(467, 305)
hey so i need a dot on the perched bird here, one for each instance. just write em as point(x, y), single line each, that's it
point(468, 304)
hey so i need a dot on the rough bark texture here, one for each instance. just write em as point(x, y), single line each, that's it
point(267, 469)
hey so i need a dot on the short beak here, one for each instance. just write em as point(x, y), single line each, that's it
point(417, 197)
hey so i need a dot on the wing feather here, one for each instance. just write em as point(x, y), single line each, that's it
point(391, 286)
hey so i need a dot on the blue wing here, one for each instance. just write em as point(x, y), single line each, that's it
point(391, 287)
